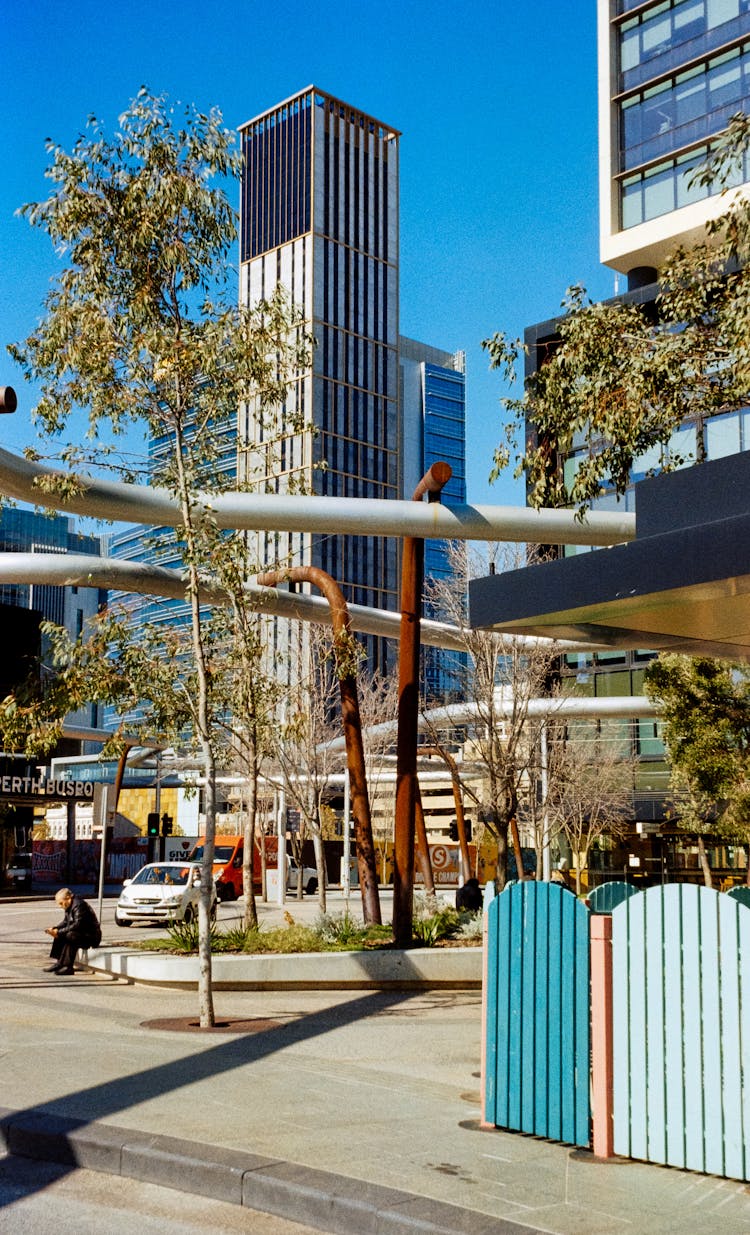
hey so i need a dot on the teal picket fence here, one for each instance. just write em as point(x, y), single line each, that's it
point(536, 1067)
point(608, 895)
point(681, 1029)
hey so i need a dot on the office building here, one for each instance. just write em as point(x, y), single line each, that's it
point(671, 74)
point(319, 214)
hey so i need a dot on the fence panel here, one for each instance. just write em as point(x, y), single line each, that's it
point(681, 1012)
point(537, 1013)
point(606, 897)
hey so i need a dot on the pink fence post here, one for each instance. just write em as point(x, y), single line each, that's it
point(601, 1035)
point(483, 1066)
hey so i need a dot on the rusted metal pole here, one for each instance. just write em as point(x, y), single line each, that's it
point(423, 849)
point(355, 757)
point(412, 578)
point(458, 802)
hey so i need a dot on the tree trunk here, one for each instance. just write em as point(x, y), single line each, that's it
point(320, 867)
point(423, 852)
point(703, 859)
point(250, 919)
point(517, 849)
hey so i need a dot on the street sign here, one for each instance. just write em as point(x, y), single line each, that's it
point(293, 820)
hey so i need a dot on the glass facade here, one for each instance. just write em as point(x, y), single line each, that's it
point(682, 71)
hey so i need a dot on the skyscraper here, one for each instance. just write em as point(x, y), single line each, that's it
point(319, 214)
point(670, 77)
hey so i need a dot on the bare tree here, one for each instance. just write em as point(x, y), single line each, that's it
point(500, 675)
point(590, 790)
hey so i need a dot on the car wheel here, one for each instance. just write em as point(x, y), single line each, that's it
point(188, 915)
point(228, 893)
point(312, 887)
point(122, 921)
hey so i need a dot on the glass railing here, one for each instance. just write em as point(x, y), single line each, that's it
point(672, 54)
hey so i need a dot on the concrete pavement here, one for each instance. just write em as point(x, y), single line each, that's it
point(348, 1110)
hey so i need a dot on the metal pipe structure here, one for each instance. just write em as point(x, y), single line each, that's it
point(278, 512)
point(355, 754)
point(84, 570)
point(565, 708)
point(407, 788)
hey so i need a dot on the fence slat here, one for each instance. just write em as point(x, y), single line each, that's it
point(709, 967)
point(691, 1027)
point(529, 945)
point(654, 1029)
point(541, 1014)
point(674, 1058)
point(731, 1048)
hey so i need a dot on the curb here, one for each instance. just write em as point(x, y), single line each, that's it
point(334, 1203)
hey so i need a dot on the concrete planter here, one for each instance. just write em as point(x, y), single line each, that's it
point(426, 968)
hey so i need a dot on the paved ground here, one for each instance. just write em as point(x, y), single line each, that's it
point(375, 1088)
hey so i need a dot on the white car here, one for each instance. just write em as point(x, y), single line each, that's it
point(309, 877)
point(162, 892)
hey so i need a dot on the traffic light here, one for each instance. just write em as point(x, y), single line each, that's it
point(166, 824)
point(152, 824)
point(453, 829)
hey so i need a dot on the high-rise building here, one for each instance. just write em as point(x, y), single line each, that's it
point(319, 214)
point(671, 74)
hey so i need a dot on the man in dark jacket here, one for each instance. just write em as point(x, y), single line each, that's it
point(78, 929)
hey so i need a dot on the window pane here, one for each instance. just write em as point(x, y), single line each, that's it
point(723, 435)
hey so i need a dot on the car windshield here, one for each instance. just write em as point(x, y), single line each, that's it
point(162, 874)
point(222, 853)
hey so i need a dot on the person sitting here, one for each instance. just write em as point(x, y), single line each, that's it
point(79, 929)
point(469, 896)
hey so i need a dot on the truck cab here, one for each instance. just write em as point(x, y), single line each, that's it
point(227, 867)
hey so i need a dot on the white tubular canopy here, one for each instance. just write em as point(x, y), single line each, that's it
point(85, 570)
point(102, 499)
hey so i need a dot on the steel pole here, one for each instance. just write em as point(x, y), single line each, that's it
point(412, 578)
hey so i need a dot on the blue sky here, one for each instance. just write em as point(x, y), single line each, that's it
point(496, 104)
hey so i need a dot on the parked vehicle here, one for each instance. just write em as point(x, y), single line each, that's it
point(227, 867)
point(162, 892)
point(19, 871)
point(309, 876)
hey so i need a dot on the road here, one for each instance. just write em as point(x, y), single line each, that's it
point(22, 922)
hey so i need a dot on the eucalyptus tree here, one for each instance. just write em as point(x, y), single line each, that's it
point(705, 706)
point(138, 329)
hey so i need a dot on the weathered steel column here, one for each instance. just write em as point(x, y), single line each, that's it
point(355, 758)
point(412, 579)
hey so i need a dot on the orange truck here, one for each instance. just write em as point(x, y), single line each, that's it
point(227, 867)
